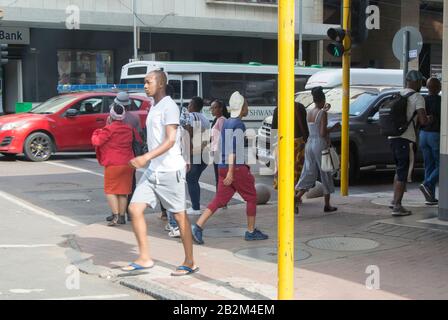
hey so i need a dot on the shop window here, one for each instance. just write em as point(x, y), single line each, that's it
point(79, 67)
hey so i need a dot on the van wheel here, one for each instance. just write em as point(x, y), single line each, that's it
point(353, 170)
point(38, 147)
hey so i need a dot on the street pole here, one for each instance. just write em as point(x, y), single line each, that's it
point(286, 53)
point(405, 56)
point(443, 182)
point(300, 31)
point(134, 9)
point(345, 140)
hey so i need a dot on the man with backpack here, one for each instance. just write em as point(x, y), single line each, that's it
point(398, 122)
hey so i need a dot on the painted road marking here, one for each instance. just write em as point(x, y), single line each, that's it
point(18, 246)
point(74, 168)
point(24, 291)
point(115, 296)
point(34, 209)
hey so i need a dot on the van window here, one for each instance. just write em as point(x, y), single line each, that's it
point(222, 85)
point(190, 89)
point(175, 86)
point(261, 89)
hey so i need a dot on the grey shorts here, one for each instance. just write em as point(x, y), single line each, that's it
point(166, 187)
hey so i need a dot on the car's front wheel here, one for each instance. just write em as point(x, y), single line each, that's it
point(38, 147)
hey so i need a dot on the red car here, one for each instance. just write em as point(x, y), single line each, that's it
point(63, 123)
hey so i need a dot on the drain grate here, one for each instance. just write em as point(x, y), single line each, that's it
point(224, 232)
point(343, 244)
point(269, 254)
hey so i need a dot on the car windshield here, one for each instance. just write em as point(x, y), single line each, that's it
point(361, 103)
point(360, 99)
point(53, 105)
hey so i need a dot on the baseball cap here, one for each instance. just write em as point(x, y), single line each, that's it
point(414, 75)
point(236, 104)
point(122, 99)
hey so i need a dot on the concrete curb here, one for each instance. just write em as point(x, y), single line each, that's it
point(86, 266)
point(154, 290)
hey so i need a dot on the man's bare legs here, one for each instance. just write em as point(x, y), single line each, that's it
point(399, 189)
point(187, 239)
point(141, 234)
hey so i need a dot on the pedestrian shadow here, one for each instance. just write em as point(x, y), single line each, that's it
point(104, 252)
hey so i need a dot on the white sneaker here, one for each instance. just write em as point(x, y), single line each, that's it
point(192, 212)
point(174, 233)
point(168, 227)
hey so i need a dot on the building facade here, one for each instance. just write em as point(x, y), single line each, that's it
point(87, 42)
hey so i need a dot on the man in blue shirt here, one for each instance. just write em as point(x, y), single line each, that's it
point(234, 174)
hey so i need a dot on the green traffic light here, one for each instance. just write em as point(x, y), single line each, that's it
point(336, 52)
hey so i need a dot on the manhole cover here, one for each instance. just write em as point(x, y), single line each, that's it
point(269, 254)
point(343, 244)
point(224, 232)
point(65, 197)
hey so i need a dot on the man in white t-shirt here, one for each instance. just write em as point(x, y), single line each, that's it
point(164, 180)
point(403, 146)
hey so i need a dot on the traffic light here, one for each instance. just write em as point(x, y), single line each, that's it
point(336, 47)
point(4, 53)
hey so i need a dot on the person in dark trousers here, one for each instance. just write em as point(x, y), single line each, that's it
point(403, 146)
point(430, 141)
point(197, 126)
point(301, 134)
point(234, 174)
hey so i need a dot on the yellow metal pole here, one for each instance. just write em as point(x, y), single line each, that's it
point(345, 142)
point(286, 42)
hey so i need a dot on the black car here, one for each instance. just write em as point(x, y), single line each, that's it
point(368, 148)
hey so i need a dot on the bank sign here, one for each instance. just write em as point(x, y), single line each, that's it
point(11, 35)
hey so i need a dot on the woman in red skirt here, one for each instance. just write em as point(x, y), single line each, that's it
point(113, 146)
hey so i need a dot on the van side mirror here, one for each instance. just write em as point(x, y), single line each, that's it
point(374, 118)
point(72, 113)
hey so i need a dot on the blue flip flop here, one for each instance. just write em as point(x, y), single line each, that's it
point(184, 268)
point(135, 267)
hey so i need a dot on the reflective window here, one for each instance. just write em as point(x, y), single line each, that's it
point(190, 89)
point(175, 86)
point(85, 67)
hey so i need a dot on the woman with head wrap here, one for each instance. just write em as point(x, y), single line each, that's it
point(319, 140)
point(113, 146)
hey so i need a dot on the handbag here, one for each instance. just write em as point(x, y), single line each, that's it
point(137, 146)
point(198, 143)
point(330, 160)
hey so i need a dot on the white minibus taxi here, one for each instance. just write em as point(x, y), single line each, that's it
point(257, 82)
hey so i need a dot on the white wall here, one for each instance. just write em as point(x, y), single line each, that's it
point(189, 15)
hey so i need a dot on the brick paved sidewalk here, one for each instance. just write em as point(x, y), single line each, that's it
point(335, 252)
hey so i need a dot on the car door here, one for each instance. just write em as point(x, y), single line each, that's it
point(76, 132)
point(377, 149)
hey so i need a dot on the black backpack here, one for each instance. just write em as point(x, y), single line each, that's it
point(393, 116)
